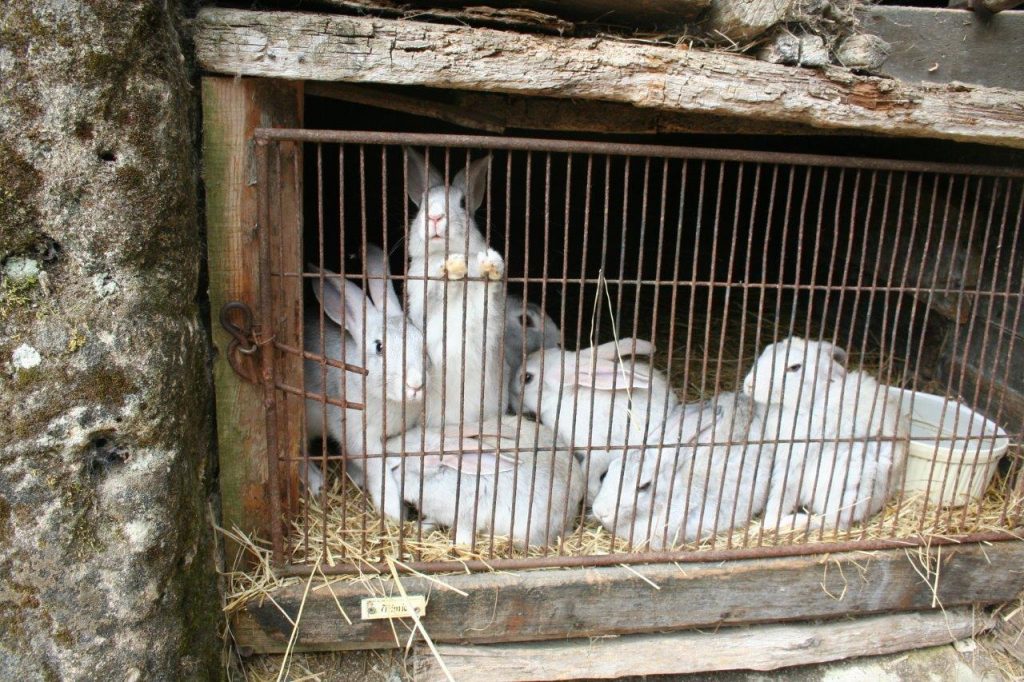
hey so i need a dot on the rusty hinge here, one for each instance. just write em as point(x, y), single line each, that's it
point(243, 349)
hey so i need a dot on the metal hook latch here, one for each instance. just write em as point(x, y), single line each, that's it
point(243, 340)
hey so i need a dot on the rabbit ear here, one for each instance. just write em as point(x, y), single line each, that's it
point(417, 173)
point(486, 461)
point(839, 355)
point(607, 375)
point(474, 183)
point(340, 294)
point(377, 271)
point(613, 350)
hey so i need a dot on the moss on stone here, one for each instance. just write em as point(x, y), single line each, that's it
point(15, 294)
point(19, 218)
point(101, 385)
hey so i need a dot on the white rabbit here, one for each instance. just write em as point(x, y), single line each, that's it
point(596, 398)
point(463, 321)
point(527, 329)
point(395, 377)
point(839, 452)
point(717, 479)
point(515, 479)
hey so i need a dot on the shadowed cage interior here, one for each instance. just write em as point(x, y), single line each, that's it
point(913, 269)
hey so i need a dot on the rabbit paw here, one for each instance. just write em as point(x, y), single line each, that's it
point(455, 266)
point(491, 264)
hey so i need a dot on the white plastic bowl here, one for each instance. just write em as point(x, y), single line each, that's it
point(954, 451)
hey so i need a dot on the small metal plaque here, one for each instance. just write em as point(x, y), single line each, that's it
point(376, 608)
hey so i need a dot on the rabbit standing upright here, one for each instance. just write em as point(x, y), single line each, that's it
point(715, 480)
point(359, 332)
point(840, 450)
point(509, 475)
point(600, 400)
point(463, 321)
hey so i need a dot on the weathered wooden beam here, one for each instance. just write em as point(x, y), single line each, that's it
point(497, 113)
point(367, 50)
point(943, 45)
point(633, 13)
point(760, 647)
point(559, 604)
point(515, 16)
point(232, 109)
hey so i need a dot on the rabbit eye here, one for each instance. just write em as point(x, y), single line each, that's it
point(644, 487)
point(794, 368)
point(527, 378)
point(462, 203)
point(378, 346)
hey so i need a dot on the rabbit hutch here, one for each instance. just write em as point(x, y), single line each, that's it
point(530, 334)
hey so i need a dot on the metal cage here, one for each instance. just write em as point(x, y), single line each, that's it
point(909, 271)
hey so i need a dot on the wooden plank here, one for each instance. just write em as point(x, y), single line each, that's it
point(369, 50)
point(944, 45)
point(563, 115)
point(593, 602)
point(497, 113)
point(232, 109)
point(762, 647)
point(632, 13)
point(515, 16)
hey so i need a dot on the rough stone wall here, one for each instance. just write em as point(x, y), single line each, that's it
point(106, 567)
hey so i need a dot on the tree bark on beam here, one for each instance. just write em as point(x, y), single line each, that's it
point(367, 50)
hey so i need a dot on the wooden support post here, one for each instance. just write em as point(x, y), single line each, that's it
point(232, 109)
point(361, 49)
point(760, 647)
point(563, 604)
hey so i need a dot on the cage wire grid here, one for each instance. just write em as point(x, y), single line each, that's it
point(711, 254)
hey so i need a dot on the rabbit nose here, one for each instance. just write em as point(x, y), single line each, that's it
point(414, 383)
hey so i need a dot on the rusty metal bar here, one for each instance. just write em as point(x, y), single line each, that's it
point(635, 558)
point(620, 149)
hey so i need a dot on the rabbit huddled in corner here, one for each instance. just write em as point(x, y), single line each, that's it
point(357, 330)
point(509, 475)
point(716, 479)
point(839, 452)
point(596, 398)
point(463, 321)
point(527, 329)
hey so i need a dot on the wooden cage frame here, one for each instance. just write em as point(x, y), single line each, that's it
point(552, 612)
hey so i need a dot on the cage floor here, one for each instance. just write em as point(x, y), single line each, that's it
point(347, 529)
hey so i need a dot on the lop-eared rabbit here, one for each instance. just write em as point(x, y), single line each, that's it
point(600, 400)
point(840, 449)
point(508, 475)
point(463, 320)
point(357, 331)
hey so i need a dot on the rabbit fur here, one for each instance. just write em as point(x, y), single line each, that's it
point(498, 457)
point(463, 321)
point(811, 397)
point(596, 398)
point(662, 496)
point(356, 325)
point(527, 329)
